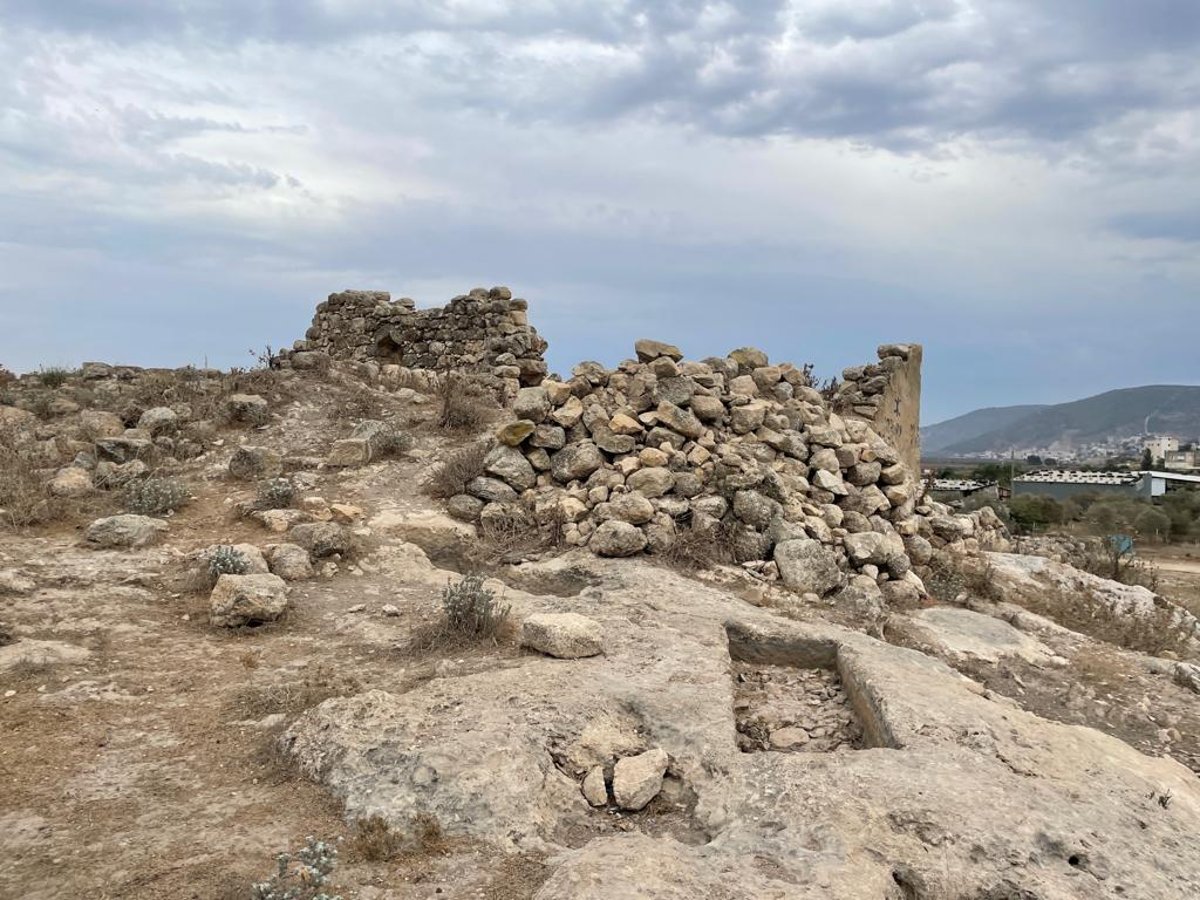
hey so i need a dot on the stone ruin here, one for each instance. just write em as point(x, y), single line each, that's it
point(818, 490)
point(485, 332)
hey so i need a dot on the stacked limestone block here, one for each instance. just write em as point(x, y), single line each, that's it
point(624, 459)
point(485, 332)
point(862, 388)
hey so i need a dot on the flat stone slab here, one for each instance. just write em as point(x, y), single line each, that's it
point(963, 634)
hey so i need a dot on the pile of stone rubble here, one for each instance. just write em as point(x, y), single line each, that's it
point(627, 460)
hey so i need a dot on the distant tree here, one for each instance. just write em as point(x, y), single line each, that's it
point(1051, 461)
point(1147, 459)
point(1033, 512)
point(1033, 459)
point(1153, 523)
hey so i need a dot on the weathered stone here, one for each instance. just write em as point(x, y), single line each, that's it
point(648, 350)
point(159, 420)
point(510, 466)
point(532, 403)
point(125, 531)
point(291, 562)
point(595, 791)
point(632, 507)
point(71, 482)
point(466, 508)
point(241, 600)
point(491, 490)
point(255, 463)
point(576, 461)
point(806, 566)
point(322, 539)
point(755, 509)
point(638, 779)
point(249, 409)
point(563, 635)
point(514, 433)
point(652, 481)
point(679, 420)
point(617, 538)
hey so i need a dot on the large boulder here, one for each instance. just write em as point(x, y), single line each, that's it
point(239, 600)
point(563, 635)
point(807, 566)
point(510, 466)
point(291, 562)
point(638, 779)
point(71, 482)
point(616, 538)
point(255, 463)
point(322, 539)
point(158, 420)
point(248, 409)
point(576, 461)
point(648, 350)
point(125, 531)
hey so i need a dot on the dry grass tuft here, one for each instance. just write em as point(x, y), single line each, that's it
point(471, 614)
point(465, 405)
point(361, 403)
point(255, 701)
point(451, 476)
point(374, 840)
point(700, 548)
point(23, 499)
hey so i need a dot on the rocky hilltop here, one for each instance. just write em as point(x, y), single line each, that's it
point(670, 629)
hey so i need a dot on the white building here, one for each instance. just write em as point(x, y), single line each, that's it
point(1160, 446)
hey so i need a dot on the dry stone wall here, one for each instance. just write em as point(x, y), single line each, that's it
point(643, 456)
point(888, 395)
point(485, 331)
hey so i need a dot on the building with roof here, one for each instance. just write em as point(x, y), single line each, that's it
point(1160, 445)
point(1062, 484)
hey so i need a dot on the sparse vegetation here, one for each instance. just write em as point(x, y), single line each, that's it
point(227, 560)
point(952, 576)
point(465, 405)
point(277, 493)
point(254, 701)
point(301, 876)
point(23, 498)
point(154, 496)
point(451, 476)
point(373, 840)
point(698, 548)
point(471, 609)
point(362, 403)
point(54, 376)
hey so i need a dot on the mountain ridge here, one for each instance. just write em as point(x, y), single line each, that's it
point(1109, 416)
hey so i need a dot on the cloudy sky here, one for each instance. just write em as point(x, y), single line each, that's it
point(1015, 183)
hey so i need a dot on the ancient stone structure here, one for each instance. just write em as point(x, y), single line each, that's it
point(888, 395)
point(485, 332)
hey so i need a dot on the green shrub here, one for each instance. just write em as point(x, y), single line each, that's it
point(278, 493)
point(227, 560)
point(472, 610)
point(302, 876)
point(55, 376)
point(154, 496)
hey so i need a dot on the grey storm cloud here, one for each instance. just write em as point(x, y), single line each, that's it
point(896, 73)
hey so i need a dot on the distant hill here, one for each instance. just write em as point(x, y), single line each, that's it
point(934, 438)
point(1128, 412)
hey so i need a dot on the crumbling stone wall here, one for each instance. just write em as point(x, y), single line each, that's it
point(485, 331)
point(888, 395)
